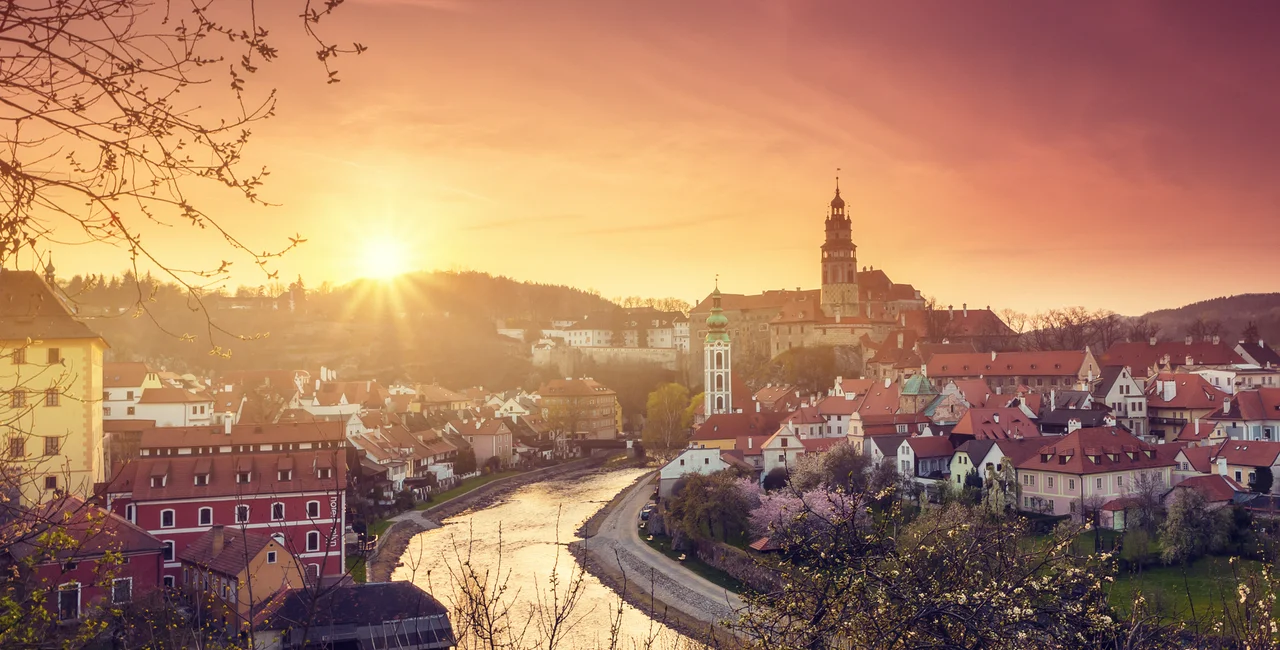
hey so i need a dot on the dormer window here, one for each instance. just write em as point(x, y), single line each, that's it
point(1150, 453)
point(1131, 455)
point(324, 472)
point(1063, 460)
point(243, 477)
point(202, 479)
point(1044, 458)
point(1111, 457)
point(284, 475)
point(1033, 366)
point(158, 481)
point(1093, 458)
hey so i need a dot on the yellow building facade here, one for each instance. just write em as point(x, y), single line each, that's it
point(50, 393)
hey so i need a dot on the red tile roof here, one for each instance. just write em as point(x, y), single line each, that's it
point(767, 300)
point(136, 475)
point(806, 415)
point(1252, 404)
point(1216, 488)
point(1004, 364)
point(124, 374)
point(239, 549)
point(1196, 430)
point(1141, 355)
point(996, 424)
point(1095, 450)
point(30, 309)
point(171, 395)
point(243, 434)
point(435, 394)
point(1190, 392)
point(96, 530)
point(573, 388)
point(1251, 453)
point(1200, 458)
point(724, 426)
point(931, 446)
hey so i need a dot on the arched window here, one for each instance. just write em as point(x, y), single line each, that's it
point(719, 360)
point(719, 382)
point(719, 403)
point(313, 541)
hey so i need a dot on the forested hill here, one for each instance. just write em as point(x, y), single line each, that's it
point(420, 327)
point(1231, 315)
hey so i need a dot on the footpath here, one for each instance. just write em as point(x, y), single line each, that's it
point(405, 525)
point(648, 580)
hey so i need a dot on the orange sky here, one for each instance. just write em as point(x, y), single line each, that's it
point(1023, 155)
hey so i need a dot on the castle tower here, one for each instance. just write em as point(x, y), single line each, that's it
point(717, 387)
point(839, 263)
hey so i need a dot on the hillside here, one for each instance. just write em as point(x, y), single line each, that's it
point(1232, 313)
point(421, 327)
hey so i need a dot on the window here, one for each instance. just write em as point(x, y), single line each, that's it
point(121, 590)
point(51, 446)
point(1098, 483)
point(69, 602)
point(313, 507)
point(1119, 481)
point(242, 514)
point(17, 446)
point(129, 395)
point(284, 475)
point(17, 398)
point(106, 410)
point(1237, 476)
point(131, 513)
point(166, 518)
point(271, 557)
point(206, 516)
point(1048, 482)
point(313, 540)
point(51, 397)
point(168, 582)
point(19, 357)
point(277, 512)
point(50, 482)
point(313, 572)
point(55, 356)
point(1073, 507)
point(706, 461)
point(324, 472)
point(243, 477)
point(1071, 484)
point(130, 411)
point(202, 479)
point(157, 481)
point(168, 557)
point(682, 461)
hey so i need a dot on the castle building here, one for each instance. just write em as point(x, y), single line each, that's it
point(839, 263)
point(718, 384)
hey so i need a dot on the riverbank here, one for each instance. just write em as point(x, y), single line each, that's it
point(408, 524)
point(666, 591)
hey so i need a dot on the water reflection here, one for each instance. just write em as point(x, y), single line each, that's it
point(525, 527)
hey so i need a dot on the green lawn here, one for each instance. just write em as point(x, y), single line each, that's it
point(662, 544)
point(463, 488)
point(1208, 579)
point(355, 566)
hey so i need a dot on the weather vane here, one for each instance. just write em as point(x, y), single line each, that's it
point(837, 179)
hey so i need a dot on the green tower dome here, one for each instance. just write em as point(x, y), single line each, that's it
point(717, 322)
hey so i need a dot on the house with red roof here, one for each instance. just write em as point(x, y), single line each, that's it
point(1241, 459)
point(1252, 414)
point(926, 458)
point(1152, 357)
point(123, 383)
point(1039, 370)
point(1089, 467)
point(1219, 491)
point(110, 562)
point(171, 406)
point(295, 494)
point(1174, 399)
point(995, 424)
point(491, 439)
point(785, 447)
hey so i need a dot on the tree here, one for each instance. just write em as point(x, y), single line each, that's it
point(1190, 529)
point(1143, 329)
point(1146, 499)
point(776, 479)
point(667, 418)
point(1262, 480)
point(465, 461)
point(105, 139)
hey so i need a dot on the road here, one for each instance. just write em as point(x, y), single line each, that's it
point(650, 572)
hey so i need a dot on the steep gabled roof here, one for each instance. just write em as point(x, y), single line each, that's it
point(1141, 355)
point(29, 308)
point(1096, 450)
point(1216, 488)
point(124, 374)
point(1066, 363)
point(239, 549)
point(996, 424)
point(95, 530)
point(1190, 391)
point(1252, 453)
point(723, 426)
point(931, 446)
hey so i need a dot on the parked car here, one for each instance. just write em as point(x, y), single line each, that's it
point(647, 512)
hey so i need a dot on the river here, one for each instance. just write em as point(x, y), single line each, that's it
point(534, 523)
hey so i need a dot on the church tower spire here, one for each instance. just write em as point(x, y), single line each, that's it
point(839, 262)
point(717, 385)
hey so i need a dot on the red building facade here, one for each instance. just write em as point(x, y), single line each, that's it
point(286, 481)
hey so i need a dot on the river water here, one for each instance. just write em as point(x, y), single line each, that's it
point(525, 534)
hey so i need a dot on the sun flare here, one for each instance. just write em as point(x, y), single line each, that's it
point(384, 258)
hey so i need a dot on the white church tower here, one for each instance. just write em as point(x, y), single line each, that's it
point(717, 387)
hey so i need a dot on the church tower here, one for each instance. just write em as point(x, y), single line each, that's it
point(839, 263)
point(717, 388)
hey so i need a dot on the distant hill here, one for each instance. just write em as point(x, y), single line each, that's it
point(1232, 313)
point(421, 327)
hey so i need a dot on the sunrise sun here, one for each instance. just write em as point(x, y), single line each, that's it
point(384, 258)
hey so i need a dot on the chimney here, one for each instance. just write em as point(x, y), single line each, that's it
point(226, 424)
point(1217, 339)
point(904, 319)
point(1153, 340)
point(901, 336)
point(1053, 400)
point(1190, 361)
point(1109, 420)
point(993, 355)
point(1073, 425)
point(757, 405)
point(219, 541)
point(951, 312)
point(317, 385)
point(1170, 390)
point(995, 417)
point(1222, 466)
point(964, 306)
point(1226, 405)
point(749, 442)
point(887, 382)
point(1187, 340)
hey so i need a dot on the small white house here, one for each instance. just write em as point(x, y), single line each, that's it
point(690, 461)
